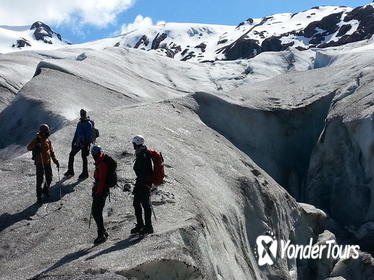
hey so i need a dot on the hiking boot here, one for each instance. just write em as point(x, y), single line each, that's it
point(136, 229)
point(101, 238)
point(83, 176)
point(69, 173)
point(146, 230)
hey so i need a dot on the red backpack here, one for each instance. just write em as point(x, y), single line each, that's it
point(158, 167)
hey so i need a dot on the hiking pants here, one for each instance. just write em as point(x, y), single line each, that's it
point(98, 204)
point(40, 172)
point(142, 200)
point(85, 152)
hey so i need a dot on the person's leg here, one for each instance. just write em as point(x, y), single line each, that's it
point(72, 154)
point(138, 213)
point(146, 203)
point(39, 181)
point(98, 204)
point(85, 153)
point(48, 178)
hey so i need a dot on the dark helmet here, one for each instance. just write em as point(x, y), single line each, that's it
point(83, 113)
point(44, 128)
point(96, 150)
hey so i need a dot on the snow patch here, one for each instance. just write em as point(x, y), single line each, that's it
point(164, 269)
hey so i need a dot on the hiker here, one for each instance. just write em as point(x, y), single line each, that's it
point(42, 152)
point(81, 142)
point(100, 192)
point(142, 190)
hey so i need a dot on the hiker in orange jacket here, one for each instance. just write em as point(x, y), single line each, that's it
point(42, 153)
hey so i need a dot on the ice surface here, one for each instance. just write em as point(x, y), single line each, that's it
point(241, 140)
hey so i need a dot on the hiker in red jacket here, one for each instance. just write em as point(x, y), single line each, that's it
point(99, 193)
point(42, 152)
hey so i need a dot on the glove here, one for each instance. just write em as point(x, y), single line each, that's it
point(57, 164)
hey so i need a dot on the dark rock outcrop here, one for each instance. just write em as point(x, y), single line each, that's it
point(21, 43)
point(201, 46)
point(43, 32)
point(188, 56)
point(365, 30)
point(242, 48)
point(157, 40)
point(328, 24)
point(274, 44)
point(248, 21)
point(142, 41)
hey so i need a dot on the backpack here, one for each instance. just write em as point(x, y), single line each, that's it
point(158, 167)
point(95, 132)
point(111, 178)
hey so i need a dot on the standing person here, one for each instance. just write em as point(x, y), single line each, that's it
point(81, 142)
point(142, 190)
point(42, 152)
point(99, 193)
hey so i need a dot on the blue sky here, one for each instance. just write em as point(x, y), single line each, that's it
point(87, 20)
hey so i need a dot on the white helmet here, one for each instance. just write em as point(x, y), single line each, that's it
point(138, 140)
point(44, 128)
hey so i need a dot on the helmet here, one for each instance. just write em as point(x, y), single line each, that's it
point(44, 128)
point(138, 140)
point(96, 150)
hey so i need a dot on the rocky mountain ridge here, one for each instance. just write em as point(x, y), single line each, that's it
point(37, 36)
point(319, 27)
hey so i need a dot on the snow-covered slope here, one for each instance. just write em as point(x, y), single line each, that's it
point(243, 141)
point(38, 36)
point(318, 27)
point(217, 200)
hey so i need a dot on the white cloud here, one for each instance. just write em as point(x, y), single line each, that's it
point(140, 22)
point(95, 12)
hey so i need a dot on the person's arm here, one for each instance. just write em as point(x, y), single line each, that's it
point(101, 180)
point(145, 171)
point(32, 144)
point(76, 134)
point(88, 133)
point(53, 156)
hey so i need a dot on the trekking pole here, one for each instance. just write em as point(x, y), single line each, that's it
point(153, 210)
point(58, 172)
point(89, 221)
point(43, 175)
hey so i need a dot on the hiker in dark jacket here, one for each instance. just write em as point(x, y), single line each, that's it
point(99, 193)
point(42, 152)
point(142, 190)
point(81, 142)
